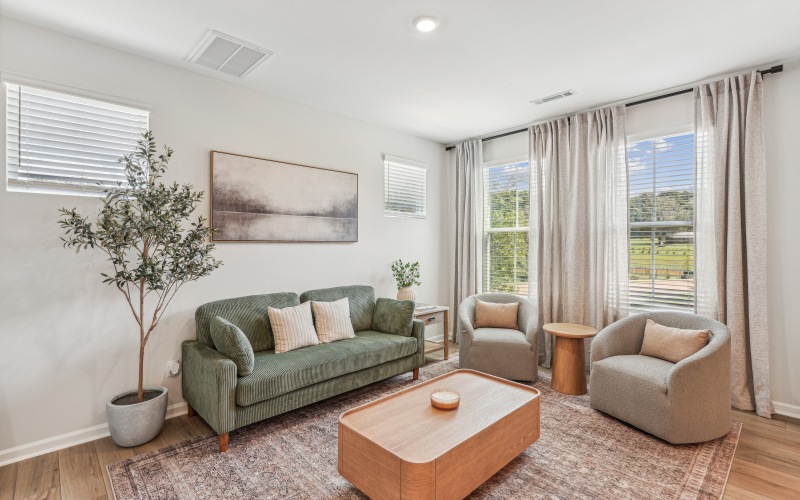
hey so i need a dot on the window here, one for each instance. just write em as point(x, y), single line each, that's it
point(405, 187)
point(67, 144)
point(661, 205)
point(506, 217)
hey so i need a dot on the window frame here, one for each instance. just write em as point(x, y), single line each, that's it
point(652, 305)
point(390, 162)
point(67, 189)
point(484, 218)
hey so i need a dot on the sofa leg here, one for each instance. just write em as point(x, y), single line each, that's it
point(416, 373)
point(223, 442)
point(190, 410)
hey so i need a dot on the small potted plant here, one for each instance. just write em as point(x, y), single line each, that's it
point(406, 274)
point(145, 229)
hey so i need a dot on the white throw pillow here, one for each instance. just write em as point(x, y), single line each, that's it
point(332, 320)
point(293, 327)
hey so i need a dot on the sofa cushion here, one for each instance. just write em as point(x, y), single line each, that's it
point(499, 336)
point(276, 374)
point(394, 316)
point(495, 315)
point(332, 320)
point(672, 344)
point(634, 372)
point(293, 327)
point(248, 313)
point(230, 341)
point(361, 298)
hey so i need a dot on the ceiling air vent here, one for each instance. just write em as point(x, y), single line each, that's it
point(553, 97)
point(228, 54)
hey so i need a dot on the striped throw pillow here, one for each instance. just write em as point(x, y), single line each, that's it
point(293, 327)
point(332, 320)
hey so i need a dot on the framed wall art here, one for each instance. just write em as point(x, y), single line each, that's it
point(255, 199)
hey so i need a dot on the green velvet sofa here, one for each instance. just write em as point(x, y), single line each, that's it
point(283, 382)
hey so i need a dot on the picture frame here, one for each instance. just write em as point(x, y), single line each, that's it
point(261, 200)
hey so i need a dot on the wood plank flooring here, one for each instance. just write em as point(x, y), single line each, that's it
point(766, 465)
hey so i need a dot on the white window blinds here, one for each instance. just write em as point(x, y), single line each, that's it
point(661, 177)
point(63, 143)
point(405, 187)
point(506, 222)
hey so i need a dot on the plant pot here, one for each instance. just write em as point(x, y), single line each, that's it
point(132, 423)
point(407, 293)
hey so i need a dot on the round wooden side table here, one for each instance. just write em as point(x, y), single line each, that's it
point(569, 374)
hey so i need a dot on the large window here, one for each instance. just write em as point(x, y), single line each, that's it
point(506, 202)
point(661, 186)
point(405, 187)
point(63, 143)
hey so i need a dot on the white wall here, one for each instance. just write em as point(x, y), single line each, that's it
point(782, 130)
point(68, 342)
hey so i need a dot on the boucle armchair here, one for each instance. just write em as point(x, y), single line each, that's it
point(684, 402)
point(511, 354)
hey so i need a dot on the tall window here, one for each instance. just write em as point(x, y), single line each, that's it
point(506, 221)
point(404, 188)
point(661, 186)
point(68, 144)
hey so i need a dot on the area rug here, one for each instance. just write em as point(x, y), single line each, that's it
point(581, 454)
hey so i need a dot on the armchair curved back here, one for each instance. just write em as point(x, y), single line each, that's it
point(626, 335)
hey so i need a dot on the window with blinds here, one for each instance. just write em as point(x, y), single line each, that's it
point(61, 143)
point(506, 222)
point(405, 187)
point(661, 179)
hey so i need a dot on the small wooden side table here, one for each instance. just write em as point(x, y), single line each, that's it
point(569, 374)
point(433, 316)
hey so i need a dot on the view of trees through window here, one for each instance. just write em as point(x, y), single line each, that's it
point(506, 225)
point(661, 206)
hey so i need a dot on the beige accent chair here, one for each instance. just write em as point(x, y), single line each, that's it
point(685, 402)
point(511, 354)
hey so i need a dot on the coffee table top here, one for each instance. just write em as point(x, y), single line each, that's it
point(570, 330)
point(406, 425)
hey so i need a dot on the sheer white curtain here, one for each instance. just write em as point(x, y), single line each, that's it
point(731, 227)
point(579, 216)
point(468, 161)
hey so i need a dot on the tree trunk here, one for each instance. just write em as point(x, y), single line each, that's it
point(140, 392)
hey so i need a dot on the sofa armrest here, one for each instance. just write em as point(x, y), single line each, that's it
point(529, 322)
point(209, 385)
point(466, 316)
point(706, 373)
point(620, 338)
point(418, 332)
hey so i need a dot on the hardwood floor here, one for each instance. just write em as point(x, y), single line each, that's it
point(766, 465)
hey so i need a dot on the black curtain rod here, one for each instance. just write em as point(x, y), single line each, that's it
point(774, 69)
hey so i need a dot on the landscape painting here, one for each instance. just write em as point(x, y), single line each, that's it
point(254, 199)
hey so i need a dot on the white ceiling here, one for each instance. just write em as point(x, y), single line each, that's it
point(474, 75)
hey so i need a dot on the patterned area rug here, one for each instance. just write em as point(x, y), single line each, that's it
point(581, 454)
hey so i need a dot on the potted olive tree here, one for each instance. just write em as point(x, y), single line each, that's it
point(154, 247)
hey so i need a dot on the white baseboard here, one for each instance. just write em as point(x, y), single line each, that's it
point(435, 338)
point(786, 409)
point(55, 443)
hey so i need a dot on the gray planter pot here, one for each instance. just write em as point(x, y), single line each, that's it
point(132, 423)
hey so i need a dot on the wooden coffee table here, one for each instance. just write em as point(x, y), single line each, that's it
point(569, 372)
point(400, 447)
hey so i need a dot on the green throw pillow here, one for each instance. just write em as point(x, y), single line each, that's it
point(231, 341)
point(393, 316)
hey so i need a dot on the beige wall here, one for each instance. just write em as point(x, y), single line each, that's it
point(68, 341)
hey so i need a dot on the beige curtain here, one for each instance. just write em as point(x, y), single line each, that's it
point(731, 229)
point(468, 160)
point(579, 205)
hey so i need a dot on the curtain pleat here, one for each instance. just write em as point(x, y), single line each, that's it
point(732, 229)
point(468, 161)
point(580, 216)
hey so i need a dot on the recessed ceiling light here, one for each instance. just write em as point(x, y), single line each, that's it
point(426, 24)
